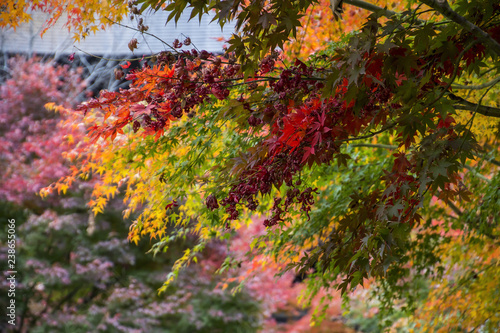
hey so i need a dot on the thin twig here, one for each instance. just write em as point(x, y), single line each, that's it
point(374, 145)
point(372, 134)
point(111, 59)
point(143, 32)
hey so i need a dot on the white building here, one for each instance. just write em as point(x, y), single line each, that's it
point(110, 44)
point(57, 40)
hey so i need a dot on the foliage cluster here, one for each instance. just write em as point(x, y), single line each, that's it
point(373, 158)
point(78, 272)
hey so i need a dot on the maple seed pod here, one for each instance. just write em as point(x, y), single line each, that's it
point(204, 55)
point(136, 126)
point(177, 44)
point(119, 73)
point(254, 121)
point(132, 44)
point(217, 61)
point(211, 202)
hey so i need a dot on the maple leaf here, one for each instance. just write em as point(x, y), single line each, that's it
point(126, 65)
point(401, 163)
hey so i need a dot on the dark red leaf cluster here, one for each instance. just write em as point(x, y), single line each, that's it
point(304, 126)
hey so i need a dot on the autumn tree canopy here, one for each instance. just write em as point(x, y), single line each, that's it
point(373, 158)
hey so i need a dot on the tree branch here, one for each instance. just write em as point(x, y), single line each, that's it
point(462, 104)
point(477, 174)
point(66, 298)
point(374, 8)
point(374, 145)
point(444, 8)
point(370, 7)
point(478, 87)
point(372, 134)
point(454, 208)
point(489, 159)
